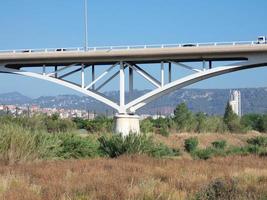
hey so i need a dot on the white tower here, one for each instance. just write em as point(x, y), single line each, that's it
point(235, 101)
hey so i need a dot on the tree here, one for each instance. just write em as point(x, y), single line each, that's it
point(231, 119)
point(201, 125)
point(80, 123)
point(264, 123)
point(183, 118)
point(252, 122)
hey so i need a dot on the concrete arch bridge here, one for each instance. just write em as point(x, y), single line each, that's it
point(57, 65)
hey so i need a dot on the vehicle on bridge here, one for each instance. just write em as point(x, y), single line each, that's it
point(188, 45)
point(262, 40)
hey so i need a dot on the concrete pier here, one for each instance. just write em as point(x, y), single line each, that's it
point(126, 124)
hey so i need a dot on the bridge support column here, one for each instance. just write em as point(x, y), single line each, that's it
point(127, 124)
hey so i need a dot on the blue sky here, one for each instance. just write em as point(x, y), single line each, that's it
point(59, 23)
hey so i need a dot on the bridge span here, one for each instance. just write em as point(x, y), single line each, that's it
point(56, 65)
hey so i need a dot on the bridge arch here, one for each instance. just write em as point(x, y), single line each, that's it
point(64, 83)
point(189, 80)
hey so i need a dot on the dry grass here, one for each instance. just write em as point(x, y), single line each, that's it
point(135, 177)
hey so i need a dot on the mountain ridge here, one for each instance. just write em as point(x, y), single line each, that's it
point(210, 101)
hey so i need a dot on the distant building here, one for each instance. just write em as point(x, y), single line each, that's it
point(235, 101)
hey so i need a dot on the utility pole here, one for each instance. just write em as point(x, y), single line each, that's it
point(86, 25)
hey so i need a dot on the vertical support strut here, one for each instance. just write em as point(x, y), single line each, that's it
point(170, 72)
point(93, 76)
point(162, 74)
point(82, 76)
point(44, 70)
point(210, 64)
point(55, 71)
point(130, 81)
point(122, 88)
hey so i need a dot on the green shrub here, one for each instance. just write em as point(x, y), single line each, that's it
point(220, 144)
point(161, 150)
point(203, 154)
point(117, 145)
point(80, 123)
point(56, 125)
point(100, 124)
point(234, 150)
point(259, 141)
point(74, 146)
point(191, 144)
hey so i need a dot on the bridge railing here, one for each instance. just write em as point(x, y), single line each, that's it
point(130, 47)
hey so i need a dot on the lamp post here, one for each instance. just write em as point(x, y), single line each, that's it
point(86, 25)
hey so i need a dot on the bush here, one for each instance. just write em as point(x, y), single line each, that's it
point(117, 145)
point(100, 124)
point(161, 150)
point(191, 144)
point(253, 149)
point(80, 123)
point(259, 141)
point(233, 150)
point(220, 144)
point(203, 154)
point(74, 146)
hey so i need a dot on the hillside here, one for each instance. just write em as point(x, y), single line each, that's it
point(211, 101)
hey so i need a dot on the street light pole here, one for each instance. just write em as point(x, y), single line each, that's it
point(86, 25)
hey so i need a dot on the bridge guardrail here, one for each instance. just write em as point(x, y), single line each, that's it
point(130, 47)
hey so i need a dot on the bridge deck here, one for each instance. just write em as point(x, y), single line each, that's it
point(142, 55)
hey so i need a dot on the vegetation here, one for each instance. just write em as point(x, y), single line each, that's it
point(51, 124)
point(98, 125)
point(186, 121)
point(191, 144)
point(137, 177)
point(221, 144)
point(19, 144)
point(117, 145)
point(237, 161)
point(231, 119)
point(256, 145)
point(129, 167)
